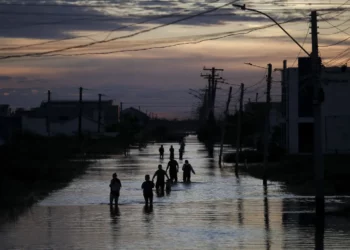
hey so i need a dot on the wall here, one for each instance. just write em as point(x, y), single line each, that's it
point(335, 110)
point(292, 118)
point(38, 126)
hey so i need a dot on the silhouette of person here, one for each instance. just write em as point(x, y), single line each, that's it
point(115, 190)
point(161, 152)
point(160, 173)
point(181, 152)
point(187, 169)
point(182, 146)
point(171, 152)
point(173, 167)
point(147, 187)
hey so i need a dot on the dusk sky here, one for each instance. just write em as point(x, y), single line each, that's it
point(37, 37)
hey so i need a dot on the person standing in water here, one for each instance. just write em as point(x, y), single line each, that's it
point(181, 152)
point(160, 173)
point(187, 169)
point(147, 187)
point(171, 150)
point(115, 190)
point(173, 167)
point(161, 152)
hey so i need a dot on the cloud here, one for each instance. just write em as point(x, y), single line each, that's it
point(5, 78)
point(59, 22)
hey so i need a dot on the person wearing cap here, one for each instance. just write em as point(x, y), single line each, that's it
point(115, 190)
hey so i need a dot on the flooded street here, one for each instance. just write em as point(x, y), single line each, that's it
point(216, 211)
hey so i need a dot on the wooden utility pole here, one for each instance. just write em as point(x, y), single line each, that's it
point(120, 111)
point(284, 105)
point(267, 121)
point(212, 86)
point(239, 120)
point(317, 101)
point(48, 113)
point(80, 111)
point(99, 113)
point(223, 130)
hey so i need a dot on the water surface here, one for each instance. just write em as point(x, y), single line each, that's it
point(218, 210)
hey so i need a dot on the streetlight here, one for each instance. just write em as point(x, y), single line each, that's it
point(242, 7)
point(317, 101)
point(257, 66)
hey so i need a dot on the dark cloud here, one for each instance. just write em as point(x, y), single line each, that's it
point(57, 22)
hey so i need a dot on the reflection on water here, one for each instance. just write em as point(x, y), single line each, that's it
point(218, 210)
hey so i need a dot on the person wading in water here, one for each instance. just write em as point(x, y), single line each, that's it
point(161, 152)
point(147, 187)
point(173, 167)
point(115, 190)
point(187, 169)
point(171, 149)
point(160, 173)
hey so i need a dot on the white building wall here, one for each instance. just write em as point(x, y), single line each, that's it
point(335, 111)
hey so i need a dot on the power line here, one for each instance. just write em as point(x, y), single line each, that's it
point(307, 33)
point(336, 28)
point(239, 32)
point(113, 39)
point(337, 43)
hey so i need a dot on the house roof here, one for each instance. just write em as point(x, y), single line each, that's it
point(135, 111)
point(75, 102)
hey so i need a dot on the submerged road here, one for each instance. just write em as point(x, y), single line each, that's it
point(216, 211)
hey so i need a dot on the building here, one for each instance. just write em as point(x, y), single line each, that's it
point(136, 114)
point(299, 109)
point(258, 109)
point(62, 117)
point(5, 110)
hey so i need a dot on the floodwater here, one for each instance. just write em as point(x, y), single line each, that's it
point(218, 210)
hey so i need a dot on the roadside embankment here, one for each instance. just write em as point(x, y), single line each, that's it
point(32, 167)
point(297, 173)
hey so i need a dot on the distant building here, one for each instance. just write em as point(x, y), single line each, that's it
point(299, 109)
point(136, 114)
point(62, 117)
point(258, 110)
point(255, 112)
point(5, 110)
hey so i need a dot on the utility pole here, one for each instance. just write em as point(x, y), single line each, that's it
point(223, 131)
point(80, 111)
point(239, 118)
point(317, 101)
point(284, 104)
point(212, 86)
point(48, 112)
point(120, 112)
point(267, 121)
point(99, 113)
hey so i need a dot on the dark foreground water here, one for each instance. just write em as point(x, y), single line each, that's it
point(216, 211)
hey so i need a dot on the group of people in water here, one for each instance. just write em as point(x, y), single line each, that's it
point(148, 185)
point(172, 151)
